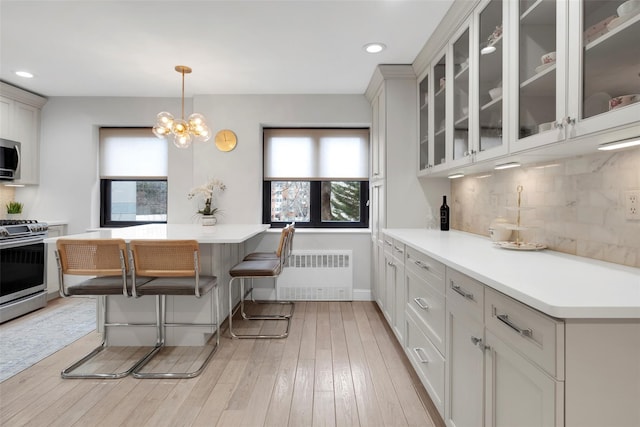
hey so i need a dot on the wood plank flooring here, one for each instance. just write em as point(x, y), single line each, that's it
point(340, 366)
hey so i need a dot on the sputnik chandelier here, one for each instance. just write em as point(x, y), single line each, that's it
point(184, 131)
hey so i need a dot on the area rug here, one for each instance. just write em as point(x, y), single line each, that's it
point(23, 344)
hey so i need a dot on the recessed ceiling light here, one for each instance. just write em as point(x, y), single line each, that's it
point(374, 47)
point(455, 175)
point(25, 74)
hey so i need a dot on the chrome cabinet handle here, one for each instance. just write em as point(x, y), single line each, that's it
point(398, 249)
point(421, 264)
point(389, 263)
point(569, 121)
point(388, 243)
point(504, 318)
point(462, 292)
point(479, 343)
point(417, 351)
point(421, 303)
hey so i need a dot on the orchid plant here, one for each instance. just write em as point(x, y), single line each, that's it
point(208, 192)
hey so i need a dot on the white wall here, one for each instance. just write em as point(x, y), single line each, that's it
point(69, 181)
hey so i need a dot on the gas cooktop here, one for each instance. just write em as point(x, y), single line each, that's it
point(17, 221)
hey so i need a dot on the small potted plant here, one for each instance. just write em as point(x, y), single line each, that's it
point(14, 210)
point(208, 192)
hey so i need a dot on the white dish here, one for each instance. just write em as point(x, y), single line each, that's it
point(522, 246)
point(495, 93)
point(543, 127)
point(541, 68)
point(628, 8)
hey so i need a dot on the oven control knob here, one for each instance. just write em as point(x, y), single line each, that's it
point(3, 232)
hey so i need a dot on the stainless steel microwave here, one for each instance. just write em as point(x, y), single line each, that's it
point(9, 159)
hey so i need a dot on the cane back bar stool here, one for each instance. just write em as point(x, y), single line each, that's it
point(261, 265)
point(174, 266)
point(105, 260)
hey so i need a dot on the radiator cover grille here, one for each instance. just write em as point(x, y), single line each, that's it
point(317, 275)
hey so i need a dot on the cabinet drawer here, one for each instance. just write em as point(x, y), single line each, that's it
point(536, 336)
point(428, 307)
point(465, 293)
point(393, 247)
point(432, 271)
point(427, 361)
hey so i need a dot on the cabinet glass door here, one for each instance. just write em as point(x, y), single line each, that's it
point(423, 99)
point(490, 76)
point(611, 56)
point(537, 67)
point(461, 97)
point(439, 111)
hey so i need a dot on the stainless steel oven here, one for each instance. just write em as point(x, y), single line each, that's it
point(22, 267)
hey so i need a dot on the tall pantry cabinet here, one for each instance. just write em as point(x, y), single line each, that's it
point(396, 196)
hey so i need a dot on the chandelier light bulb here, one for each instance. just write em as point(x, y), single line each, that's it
point(183, 131)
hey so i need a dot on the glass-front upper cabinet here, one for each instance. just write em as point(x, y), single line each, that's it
point(540, 70)
point(423, 100)
point(440, 111)
point(606, 88)
point(460, 88)
point(490, 79)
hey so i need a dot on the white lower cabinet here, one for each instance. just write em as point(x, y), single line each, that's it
point(518, 393)
point(465, 370)
point(488, 360)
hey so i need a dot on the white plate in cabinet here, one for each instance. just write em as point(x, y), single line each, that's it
point(466, 294)
point(427, 361)
point(536, 336)
point(428, 308)
point(430, 270)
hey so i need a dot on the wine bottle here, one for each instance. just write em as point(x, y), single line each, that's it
point(444, 215)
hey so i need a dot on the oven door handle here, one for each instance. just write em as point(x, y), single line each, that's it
point(23, 241)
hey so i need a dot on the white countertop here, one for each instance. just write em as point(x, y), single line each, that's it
point(220, 233)
point(560, 285)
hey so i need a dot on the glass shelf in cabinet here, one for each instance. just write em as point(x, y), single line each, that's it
point(540, 12)
point(541, 84)
point(493, 104)
point(464, 72)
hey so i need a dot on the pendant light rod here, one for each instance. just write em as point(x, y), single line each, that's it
point(183, 69)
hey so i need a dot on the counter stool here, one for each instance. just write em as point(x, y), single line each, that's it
point(174, 266)
point(261, 265)
point(105, 260)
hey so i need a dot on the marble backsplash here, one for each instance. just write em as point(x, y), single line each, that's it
point(574, 205)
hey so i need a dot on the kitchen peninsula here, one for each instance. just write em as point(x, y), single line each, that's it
point(221, 247)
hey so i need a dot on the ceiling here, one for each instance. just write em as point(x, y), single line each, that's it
point(130, 48)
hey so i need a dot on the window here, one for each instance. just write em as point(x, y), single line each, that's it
point(316, 177)
point(133, 177)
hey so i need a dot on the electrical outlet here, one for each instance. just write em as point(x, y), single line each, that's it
point(632, 205)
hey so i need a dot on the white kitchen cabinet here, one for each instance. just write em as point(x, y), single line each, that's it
point(464, 385)
point(518, 393)
point(20, 121)
point(394, 287)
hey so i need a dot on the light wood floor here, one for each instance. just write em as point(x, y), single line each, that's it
point(340, 366)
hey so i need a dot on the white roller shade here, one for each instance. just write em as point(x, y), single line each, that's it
point(316, 154)
point(132, 153)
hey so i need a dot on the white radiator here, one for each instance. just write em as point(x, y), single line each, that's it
point(317, 275)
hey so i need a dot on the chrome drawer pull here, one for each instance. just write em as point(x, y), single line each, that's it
point(421, 264)
point(462, 292)
point(417, 351)
point(388, 243)
point(504, 318)
point(398, 249)
point(478, 342)
point(421, 303)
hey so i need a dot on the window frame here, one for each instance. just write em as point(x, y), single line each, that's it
point(105, 202)
point(315, 214)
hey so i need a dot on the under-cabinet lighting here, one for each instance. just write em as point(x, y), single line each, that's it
point(374, 47)
point(508, 165)
point(619, 144)
point(455, 175)
point(14, 185)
